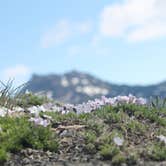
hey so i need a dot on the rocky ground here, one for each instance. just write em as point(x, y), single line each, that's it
point(39, 158)
point(117, 132)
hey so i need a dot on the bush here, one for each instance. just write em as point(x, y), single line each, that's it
point(19, 133)
point(3, 156)
point(108, 151)
point(157, 152)
point(9, 94)
point(90, 148)
point(27, 100)
point(118, 159)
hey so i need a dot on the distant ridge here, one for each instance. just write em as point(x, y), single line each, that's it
point(77, 87)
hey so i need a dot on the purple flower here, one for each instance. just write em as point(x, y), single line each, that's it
point(118, 141)
point(40, 121)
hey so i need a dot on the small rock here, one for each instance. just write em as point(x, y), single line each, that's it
point(66, 133)
point(26, 161)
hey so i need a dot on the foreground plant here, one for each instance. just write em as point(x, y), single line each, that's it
point(9, 94)
point(157, 102)
point(29, 99)
point(19, 133)
point(123, 129)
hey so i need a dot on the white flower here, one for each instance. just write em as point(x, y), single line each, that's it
point(27, 92)
point(118, 141)
point(40, 121)
point(88, 107)
point(2, 112)
point(162, 138)
point(41, 108)
point(17, 109)
point(33, 110)
point(141, 101)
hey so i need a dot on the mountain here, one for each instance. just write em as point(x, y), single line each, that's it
point(77, 87)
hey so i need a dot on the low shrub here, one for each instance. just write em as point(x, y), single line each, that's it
point(108, 151)
point(19, 133)
point(30, 99)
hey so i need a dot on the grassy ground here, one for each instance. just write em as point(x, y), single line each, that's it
point(72, 136)
point(121, 134)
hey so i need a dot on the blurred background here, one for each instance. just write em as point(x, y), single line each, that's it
point(78, 50)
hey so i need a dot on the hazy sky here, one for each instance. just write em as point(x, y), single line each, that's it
point(121, 41)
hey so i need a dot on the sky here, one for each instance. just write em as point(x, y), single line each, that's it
point(120, 41)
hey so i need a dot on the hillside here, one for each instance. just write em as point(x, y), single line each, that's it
point(78, 87)
point(119, 131)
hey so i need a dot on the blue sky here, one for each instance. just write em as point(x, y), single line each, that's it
point(121, 41)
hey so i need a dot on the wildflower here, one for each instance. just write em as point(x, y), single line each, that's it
point(118, 141)
point(17, 109)
point(27, 92)
point(123, 99)
point(40, 121)
point(141, 101)
point(41, 108)
point(2, 112)
point(162, 138)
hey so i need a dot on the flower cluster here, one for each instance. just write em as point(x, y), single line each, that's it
point(5, 111)
point(98, 103)
point(39, 121)
point(88, 107)
point(162, 138)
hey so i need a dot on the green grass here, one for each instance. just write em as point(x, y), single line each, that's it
point(156, 151)
point(30, 99)
point(137, 125)
point(108, 151)
point(11, 96)
point(19, 133)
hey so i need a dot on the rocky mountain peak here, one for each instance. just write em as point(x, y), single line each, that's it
point(78, 87)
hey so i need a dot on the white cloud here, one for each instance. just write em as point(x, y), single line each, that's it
point(84, 27)
point(18, 70)
point(95, 40)
point(103, 51)
point(19, 73)
point(74, 50)
point(88, 50)
point(58, 34)
point(134, 20)
point(63, 31)
point(148, 32)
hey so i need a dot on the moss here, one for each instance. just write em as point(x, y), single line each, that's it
point(103, 112)
point(161, 131)
point(59, 118)
point(112, 118)
point(118, 159)
point(156, 152)
point(108, 151)
point(3, 155)
point(90, 137)
point(132, 157)
point(107, 138)
point(19, 133)
point(90, 148)
point(135, 127)
point(30, 99)
point(116, 117)
point(95, 126)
